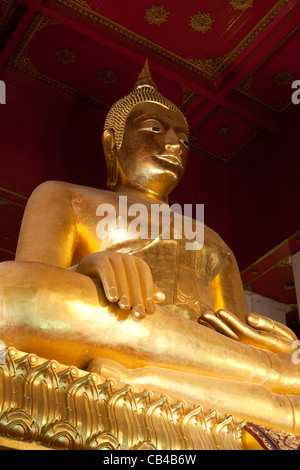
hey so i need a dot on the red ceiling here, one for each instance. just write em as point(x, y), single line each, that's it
point(229, 66)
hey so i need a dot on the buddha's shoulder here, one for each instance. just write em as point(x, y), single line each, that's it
point(212, 238)
point(70, 190)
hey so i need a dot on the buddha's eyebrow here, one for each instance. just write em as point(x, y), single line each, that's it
point(147, 117)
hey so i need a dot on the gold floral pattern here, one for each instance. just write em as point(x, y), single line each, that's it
point(201, 22)
point(282, 78)
point(108, 76)
point(157, 14)
point(241, 4)
point(65, 56)
point(225, 132)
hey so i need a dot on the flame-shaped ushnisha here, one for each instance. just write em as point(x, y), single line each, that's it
point(145, 78)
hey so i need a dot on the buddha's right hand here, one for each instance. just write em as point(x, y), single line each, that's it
point(259, 331)
point(126, 279)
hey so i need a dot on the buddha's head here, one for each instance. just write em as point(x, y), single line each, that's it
point(145, 140)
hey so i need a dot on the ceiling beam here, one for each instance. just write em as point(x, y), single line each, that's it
point(19, 31)
point(258, 116)
point(263, 46)
point(284, 22)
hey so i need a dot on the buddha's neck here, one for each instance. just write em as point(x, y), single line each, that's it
point(140, 193)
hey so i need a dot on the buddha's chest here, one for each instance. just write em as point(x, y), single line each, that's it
point(163, 240)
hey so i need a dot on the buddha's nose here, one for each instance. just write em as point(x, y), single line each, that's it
point(174, 147)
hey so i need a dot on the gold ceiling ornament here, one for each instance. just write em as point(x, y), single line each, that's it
point(108, 76)
point(145, 91)
point(289, 286)
point(65, 56)
point(201, 22)
point(157, 14)
point(282, 78)
point(225, 132)
point(241, 4)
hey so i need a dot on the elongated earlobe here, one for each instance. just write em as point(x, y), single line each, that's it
point(110, 152)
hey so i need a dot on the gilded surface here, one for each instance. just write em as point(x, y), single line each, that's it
point(59, 407)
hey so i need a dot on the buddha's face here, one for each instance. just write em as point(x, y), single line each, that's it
point(154, 150)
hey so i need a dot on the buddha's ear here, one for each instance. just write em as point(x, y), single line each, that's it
point(110, 152)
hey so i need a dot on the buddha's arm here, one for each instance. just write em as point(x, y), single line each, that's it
point(227, 289)
point(48, 233)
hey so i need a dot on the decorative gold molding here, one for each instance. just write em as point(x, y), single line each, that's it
point(8, 9)
point(253, 265)
point(210, 65)
point(188, 98)
point(13, 193)
point(7, 251)
point(285, 263)
point(4, 202)
point(57, 407)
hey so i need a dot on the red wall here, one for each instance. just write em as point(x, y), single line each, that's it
point(264, 189)
point(48, 134)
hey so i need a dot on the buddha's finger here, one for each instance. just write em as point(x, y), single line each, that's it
point(274, 343)
point(146, 281)
point(135, 288)
point(267, 324)
point(121, 281)
point(232, 321)
point(107, 277)
point(158, 295)
point(202, 322)
point(217, 324)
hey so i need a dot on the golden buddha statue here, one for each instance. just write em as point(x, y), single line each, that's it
point(145, 309)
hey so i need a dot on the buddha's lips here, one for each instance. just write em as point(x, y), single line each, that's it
point(171, 157)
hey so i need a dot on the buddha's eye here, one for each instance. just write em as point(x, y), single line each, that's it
point(185, 143)
point(155, 129)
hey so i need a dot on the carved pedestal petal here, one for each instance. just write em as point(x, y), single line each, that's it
point(18, 424)
point(59, 407)
point(61, 436)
